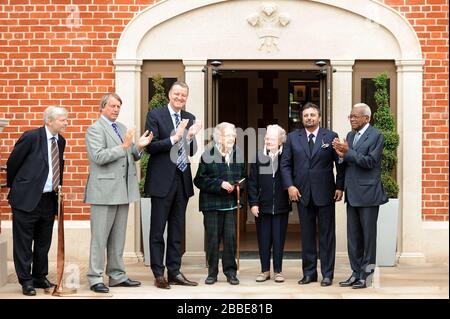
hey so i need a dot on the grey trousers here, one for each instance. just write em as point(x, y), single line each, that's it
point(108, 228)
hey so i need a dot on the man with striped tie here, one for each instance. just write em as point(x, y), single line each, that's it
point(169, 183)
point(34, 172)
point(111, 186)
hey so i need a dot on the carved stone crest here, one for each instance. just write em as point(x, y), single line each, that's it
point(268, 23)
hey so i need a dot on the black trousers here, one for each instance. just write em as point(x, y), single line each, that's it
point(171, 210)
point(221, 226)
point(323, 217)
point(271, 232)
point(32, 237)
point(362, 239)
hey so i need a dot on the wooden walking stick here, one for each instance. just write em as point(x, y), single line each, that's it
point(238, 191)
point(58, 290)
point(238, 215)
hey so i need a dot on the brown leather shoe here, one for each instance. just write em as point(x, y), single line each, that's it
point(180, 279)
point(162, 283)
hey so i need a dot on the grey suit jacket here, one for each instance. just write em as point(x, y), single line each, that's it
point(363, 186)
point(112, 173)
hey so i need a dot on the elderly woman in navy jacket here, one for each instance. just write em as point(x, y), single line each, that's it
point(269, 203)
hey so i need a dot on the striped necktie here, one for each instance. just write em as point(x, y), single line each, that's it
point(116, 129)
point(182, 158)
point(56, 178)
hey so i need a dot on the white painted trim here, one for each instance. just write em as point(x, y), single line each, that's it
point(374, 11)
point(435, 225)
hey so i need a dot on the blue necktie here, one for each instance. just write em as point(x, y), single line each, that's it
point(356, 139)
point(116, 129)
point(182, 158)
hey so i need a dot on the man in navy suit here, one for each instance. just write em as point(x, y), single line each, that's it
point(169, 182)
point(34, 171)
point(307, 172)
point(364, 193)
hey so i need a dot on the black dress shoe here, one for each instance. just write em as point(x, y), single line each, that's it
point(307, 279)
point(349, 282)
point(210, 280)
point(233, 280)
point(100, 287)
point(42, 283)
point(360, 284)
point(28, 290)
point(128, 283)
point(180, 279)
point(161, 282)
point(327, 281)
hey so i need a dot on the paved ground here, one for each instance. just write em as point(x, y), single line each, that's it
point(408, 281)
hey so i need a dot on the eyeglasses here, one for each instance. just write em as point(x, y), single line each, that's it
point(353, 116)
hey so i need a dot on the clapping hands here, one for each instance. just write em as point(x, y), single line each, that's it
point(144, 140)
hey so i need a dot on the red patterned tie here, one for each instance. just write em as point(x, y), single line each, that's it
point(55, 165)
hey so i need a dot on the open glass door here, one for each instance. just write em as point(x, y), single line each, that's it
point(325, 79)
point(212, 75)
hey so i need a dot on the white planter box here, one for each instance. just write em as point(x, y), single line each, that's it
point(146, 210)
point(387, 233)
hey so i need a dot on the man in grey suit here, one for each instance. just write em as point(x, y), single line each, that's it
point(112, 184)
point(364, 193)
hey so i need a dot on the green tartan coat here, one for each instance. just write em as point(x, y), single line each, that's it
point(212, 171)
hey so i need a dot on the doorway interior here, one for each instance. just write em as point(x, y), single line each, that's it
point(255, 99)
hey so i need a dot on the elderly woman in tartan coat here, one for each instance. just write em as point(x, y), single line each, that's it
point(221, 167)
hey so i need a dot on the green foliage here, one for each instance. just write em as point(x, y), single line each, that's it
point(390, 185)
point(159, 99)
point(144, 163)
point(384, 121)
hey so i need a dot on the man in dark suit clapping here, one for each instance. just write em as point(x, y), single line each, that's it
point(307, 171)
point(364, 193)
point(34, 172)
point(169, 182)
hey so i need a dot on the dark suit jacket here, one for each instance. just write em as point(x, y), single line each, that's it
point(161, 169)
point(265, 190)
point(312, 173)
point(27, 168)
point(363, 186)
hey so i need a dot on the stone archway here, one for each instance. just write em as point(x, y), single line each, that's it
point(197, 30)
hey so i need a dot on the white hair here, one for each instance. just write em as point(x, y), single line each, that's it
point(220, 128)
point(52, 112)
point(280, 131)
point(365, 108)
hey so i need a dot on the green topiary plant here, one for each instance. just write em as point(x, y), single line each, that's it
point(384, 121)
point(159, 99)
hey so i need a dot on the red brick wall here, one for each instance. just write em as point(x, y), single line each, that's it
point(430, 20)
point(51, 55)
point(48, 56)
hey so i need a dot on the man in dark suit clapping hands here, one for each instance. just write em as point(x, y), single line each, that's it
point(169, 182)
point(364, 193)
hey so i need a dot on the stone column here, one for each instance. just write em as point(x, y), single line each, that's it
point(342, 103)
point(194, 77)
point(128, 87)
point(409, 172)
